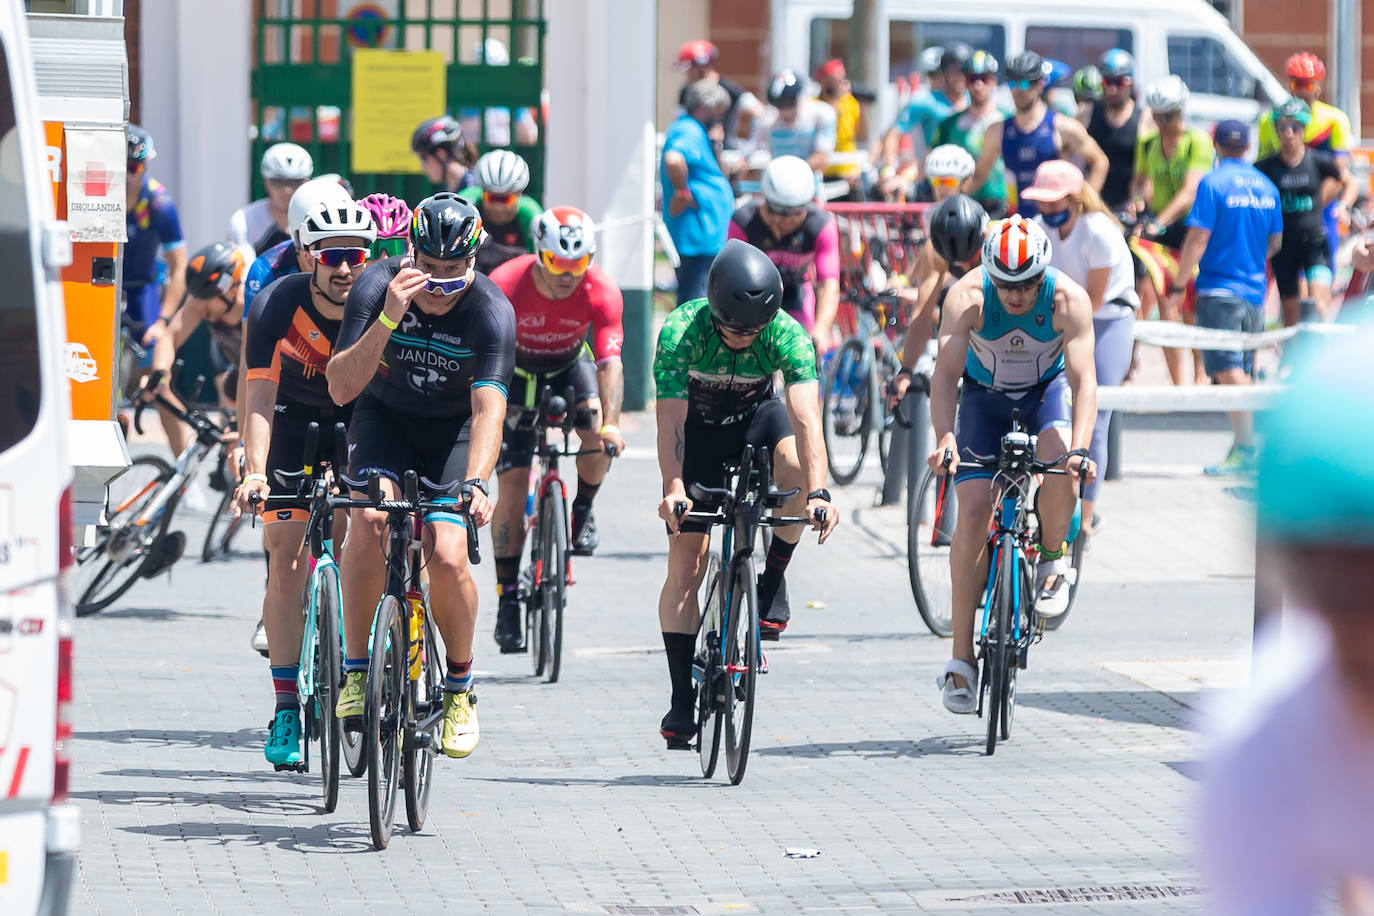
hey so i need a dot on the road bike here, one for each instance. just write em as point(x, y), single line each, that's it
point(226, 522)
point(858, 374)
point(544, 583)
point(321, 657)
point(729, 656)
point(134, 540)
point(1009, 625)
point(404, 703)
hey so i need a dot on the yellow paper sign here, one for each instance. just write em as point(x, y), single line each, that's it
point(393, 91)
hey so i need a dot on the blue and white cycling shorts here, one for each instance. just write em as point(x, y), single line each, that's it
point(984, 417)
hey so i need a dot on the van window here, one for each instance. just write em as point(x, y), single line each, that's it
point(1206, 66)
point(906, 40)
point(20, 379)
point(1077, 47)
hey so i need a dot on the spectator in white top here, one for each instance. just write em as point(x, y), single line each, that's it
point(797, 125)
point(263, 223)
point(1087, 245)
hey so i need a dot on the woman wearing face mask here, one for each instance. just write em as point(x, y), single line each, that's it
point(1087, 245)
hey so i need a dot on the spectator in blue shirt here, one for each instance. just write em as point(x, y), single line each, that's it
point(1235, 226)
point(697, 199)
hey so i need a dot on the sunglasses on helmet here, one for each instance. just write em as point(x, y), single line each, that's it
point(334, 257)
point(500, 200)
point(557, 266)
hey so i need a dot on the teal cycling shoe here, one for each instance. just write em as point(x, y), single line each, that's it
point(283, 749)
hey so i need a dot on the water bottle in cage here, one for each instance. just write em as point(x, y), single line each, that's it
point(417, 629)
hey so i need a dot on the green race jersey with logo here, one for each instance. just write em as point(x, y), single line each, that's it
point(722, 385)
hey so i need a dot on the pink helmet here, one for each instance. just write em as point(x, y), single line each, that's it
point(391, 215)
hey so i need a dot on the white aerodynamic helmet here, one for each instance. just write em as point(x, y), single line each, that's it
point(788, 182)
point(564, 232)
point(309, 197)
point(949, 161)
point(502, 172)
point(1015, 250)
point(1168, 94)
point(288, 162)
point(330, 220)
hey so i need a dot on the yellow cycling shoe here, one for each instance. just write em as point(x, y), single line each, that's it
point(352, 697)
point(460, 723)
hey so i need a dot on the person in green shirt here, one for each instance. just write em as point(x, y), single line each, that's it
point(966, 128)
point(508, 216)
point(1169, 163)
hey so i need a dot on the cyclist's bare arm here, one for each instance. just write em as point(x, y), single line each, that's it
point(1073, 317)
point(179, 327)
point(963, 312)
point(988, 156)
point(804, 410)
point(1074, 139)
point(488, 419)
point(930, 268)
point(672, 424)
point(610, 382)
point(1182, 202)
point(176, 280)
point(349, 371)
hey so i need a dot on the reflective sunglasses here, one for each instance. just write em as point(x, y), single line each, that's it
point(334, 257)
point(1289, 127)
point(1023, 84)
point(1160, 116)
point(500, 200)
point(982, 78)
point(446, 287)
point(557, 266)
point(1117, 81)
point(946, 181)
point(1024, 286)
point(1302, 85)
point(737, 330)
point(784, 212)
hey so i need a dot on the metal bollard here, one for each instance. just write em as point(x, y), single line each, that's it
point(897, 457)
point(1113, 469)
point(918, 409)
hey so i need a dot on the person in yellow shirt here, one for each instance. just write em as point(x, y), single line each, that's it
point(850, 122)
point(1328, 131)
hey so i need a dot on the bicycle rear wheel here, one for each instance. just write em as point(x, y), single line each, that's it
point(741, 666)
point(1079, 543)
point(109, 567)
point(384, 718)
point(706, 667)
point(927, 553)
point(885, 366)
point(328, 673)
point(998, 654)
point(555, 593)
point(846, 416)
point(223, 527)
point(426, 698)
point(536, 620)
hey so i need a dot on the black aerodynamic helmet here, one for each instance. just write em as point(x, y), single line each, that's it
point(956, 229)
point(445, 226)
point(442, 132)
point(743, 287)
point(1025, 66)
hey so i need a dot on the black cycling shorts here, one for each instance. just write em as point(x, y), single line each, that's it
point(517, 449)
point(1296, 260)
point(286, 450)
point(390, 443)
point(706, 449)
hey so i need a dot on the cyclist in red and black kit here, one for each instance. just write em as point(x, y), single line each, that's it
point(558, 295)
point(427, 346)
point(289, 336)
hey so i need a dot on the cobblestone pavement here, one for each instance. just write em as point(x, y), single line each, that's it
point(571, 804)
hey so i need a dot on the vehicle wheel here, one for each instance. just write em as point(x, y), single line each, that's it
point(846, 418)
point(384, 718)
point(741, 667)
point(109, 567)
point(426, 698)
point(328, 674)
point(705, 670)
point(927, 552)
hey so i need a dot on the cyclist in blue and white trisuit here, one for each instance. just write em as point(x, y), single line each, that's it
point(1020, 334)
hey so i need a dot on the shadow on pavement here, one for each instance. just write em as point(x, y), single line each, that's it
point(1137, 707)
point(244, 737)
point(646, 780)
point(245, 802)
point(632, 555)
point(152, 613)
point(926, 747)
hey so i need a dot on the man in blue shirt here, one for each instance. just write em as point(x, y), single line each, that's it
point(1235, 226)
point(697, 199)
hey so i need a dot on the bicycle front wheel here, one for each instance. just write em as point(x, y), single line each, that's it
point(885, 367)
point(999, 655)
point(741, 666)
point(929, 529)
point(109, 567)
point(555, 532)
point(846, 415)
point(384, 718)
point(223, 527)
point(706, 667)
point(426, 699)
point(328, 672)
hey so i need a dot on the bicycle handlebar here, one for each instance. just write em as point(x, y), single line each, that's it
point(412, 502)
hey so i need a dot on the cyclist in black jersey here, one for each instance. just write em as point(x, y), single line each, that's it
point(1114, 123)
point(289, 336)
point(427, 347)
point(1307, 179)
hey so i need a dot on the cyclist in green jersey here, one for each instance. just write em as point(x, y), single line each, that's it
point(508, 214)
point(714, 371)
point(966, 128)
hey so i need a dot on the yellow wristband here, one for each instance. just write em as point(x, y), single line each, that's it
point(387, 322)
point(610, 426)
point(249, 478)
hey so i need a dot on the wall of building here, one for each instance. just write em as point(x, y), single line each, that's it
point(678, 21)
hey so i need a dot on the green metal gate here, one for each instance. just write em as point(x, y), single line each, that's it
point(302, 77)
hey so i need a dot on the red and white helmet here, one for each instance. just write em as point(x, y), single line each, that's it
point(1015, 250)
point(696, 53)
point(564, 239)
point(1305, 66)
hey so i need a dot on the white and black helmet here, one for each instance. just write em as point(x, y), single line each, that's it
point(788, 183)
point(1015, 250)
point(333, 220)
point(309, 197)
point(288, 162)
point(949, 161)
point(502, 172)
point(1168, 94)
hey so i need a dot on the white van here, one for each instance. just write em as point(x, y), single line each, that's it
point(38, 827)
point(1185, 37)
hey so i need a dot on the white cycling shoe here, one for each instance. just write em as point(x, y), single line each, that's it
point(960, 700)
point(1054, 600)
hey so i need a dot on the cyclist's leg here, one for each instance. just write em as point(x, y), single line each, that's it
point(1318, 274)
point(1112, 350)
point(771, 428)
point(508, 520)
point(1288, 264)
point(1052, 421)
point(983, 418)
point(591, 468)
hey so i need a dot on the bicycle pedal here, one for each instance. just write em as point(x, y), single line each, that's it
point(763, 663)
point(290, 767)
point(352, 724)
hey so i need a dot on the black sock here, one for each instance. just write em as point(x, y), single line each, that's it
point(779, 555)
point(507, 573)
point(680, 648)
point(582, 503)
